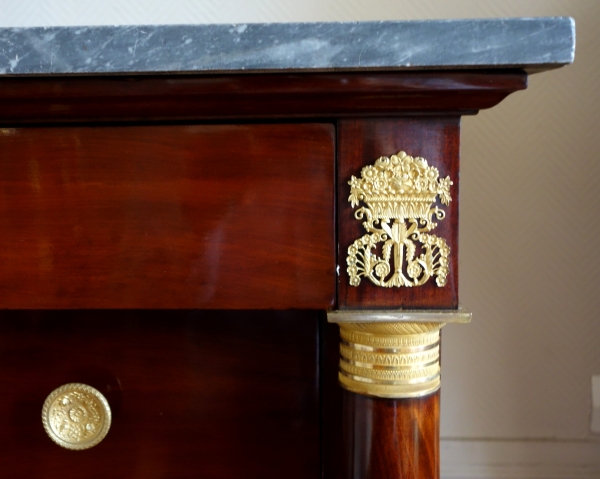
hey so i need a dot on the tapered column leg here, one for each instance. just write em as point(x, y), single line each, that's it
point(391, 438)
point(390, 372)
point(397, 230)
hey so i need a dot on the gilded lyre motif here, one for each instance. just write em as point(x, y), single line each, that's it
point(399, 193)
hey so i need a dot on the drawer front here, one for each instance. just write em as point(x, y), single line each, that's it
point(179, 216)
point(193, 394)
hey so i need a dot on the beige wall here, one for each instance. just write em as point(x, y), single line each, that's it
point(529, 233)
point(529, 252)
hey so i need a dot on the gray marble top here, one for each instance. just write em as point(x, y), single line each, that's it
point(534, 44)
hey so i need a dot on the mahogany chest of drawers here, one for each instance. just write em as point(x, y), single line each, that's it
point(178, 225)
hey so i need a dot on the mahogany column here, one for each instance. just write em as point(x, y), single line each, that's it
point(388, 438)
point(403, 174)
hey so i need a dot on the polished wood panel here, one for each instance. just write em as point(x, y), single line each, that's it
point(334, 463)
point(194, 394)
point(252, 96)
point(182, 216)
point(391, 438)
point(360, 143)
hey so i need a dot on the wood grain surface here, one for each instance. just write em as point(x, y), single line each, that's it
point(360, 143)
point(391, 438)
point(212, 395)
point(335, 464)
point(251, 96)
point(231, 217)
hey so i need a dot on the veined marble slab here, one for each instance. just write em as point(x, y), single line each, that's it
point(534, 44)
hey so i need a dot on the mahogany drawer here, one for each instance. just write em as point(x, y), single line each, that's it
point(167, 216)
point(193, 394)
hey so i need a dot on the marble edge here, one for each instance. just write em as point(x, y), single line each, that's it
point(533, 44)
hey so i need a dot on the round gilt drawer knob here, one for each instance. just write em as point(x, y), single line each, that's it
point(76, 416)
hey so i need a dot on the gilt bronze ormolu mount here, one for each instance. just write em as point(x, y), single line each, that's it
point(399, 193)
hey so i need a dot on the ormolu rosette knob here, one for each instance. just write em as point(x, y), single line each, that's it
point(76, 416)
